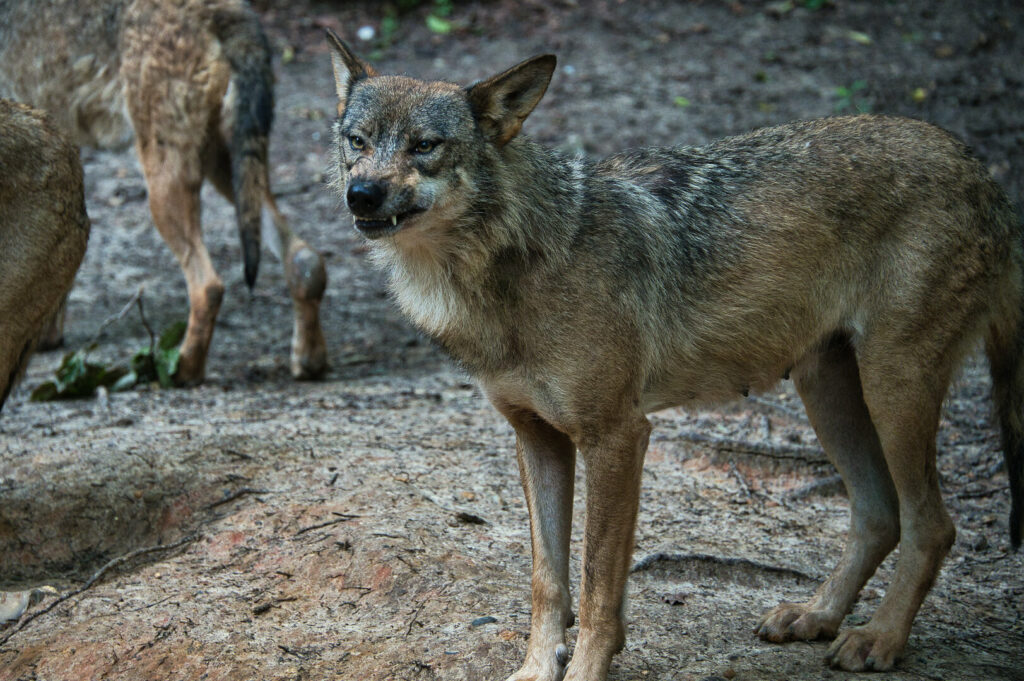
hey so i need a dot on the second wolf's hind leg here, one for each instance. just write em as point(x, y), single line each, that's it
point(174, 177)
point(829, 384)
point(307, 281)
point(304, 267)
point(904, 386)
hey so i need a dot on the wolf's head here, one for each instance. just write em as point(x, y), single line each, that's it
point(408, 150)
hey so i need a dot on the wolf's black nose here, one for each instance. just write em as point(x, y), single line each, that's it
point(365, 197)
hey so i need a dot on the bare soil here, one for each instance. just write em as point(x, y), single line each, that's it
point(358, 527)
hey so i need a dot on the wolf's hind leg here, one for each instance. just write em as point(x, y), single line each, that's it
point(307, 280)
point(303, 267)
point(174, 178)
point(829, 384)
point(904, 386)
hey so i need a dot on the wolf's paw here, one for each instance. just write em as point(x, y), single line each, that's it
point(797, 622)
point(865, 649)
point(550, 668)
point(191, 369)
point(307, 279)
point(309, 361)
point(13, 604)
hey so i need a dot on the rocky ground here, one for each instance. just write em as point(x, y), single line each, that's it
point(359, 527)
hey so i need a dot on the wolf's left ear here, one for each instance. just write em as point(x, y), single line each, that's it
point(348, 68)
point(503, 102)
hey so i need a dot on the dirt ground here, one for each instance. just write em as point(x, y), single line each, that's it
point(359, 527)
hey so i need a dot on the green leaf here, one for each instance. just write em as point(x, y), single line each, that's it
point(388, 28)
point(779, 8)
point(77, 377)
point(859, 37)
point(126, 382)
point(45, 392)
point(72, 369)
point(438, 25)
point(172, 335)
point(166, 362)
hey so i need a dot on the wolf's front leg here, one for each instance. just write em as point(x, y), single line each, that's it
point(547, 463)
point(614, 463)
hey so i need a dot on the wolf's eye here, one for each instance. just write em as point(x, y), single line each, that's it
point(425, 146)
point(356, 142)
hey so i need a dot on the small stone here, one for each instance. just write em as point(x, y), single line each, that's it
point(480, 621)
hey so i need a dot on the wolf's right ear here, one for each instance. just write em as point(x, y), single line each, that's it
point(348, 68)
point(503, 102)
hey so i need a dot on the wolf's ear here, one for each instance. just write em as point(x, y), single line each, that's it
point(503, 102)
point(348, 68)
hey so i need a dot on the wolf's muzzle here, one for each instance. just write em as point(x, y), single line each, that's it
point(365, 198)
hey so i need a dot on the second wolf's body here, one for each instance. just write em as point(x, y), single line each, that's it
point(863, 256)
point(44, 230)
point(68, 64)
point(191, 83)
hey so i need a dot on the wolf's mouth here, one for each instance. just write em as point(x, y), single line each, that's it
point(376, 228)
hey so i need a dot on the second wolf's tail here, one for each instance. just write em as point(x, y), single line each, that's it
point(247, 50)
point(1005, 349)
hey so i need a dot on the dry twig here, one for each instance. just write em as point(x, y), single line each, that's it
point(660, 557)
point(408, 630)
point(742, 481)
point(235, 495)
point(804, 453)
point(107, 567)
point(829, 486)
point(779, 407)
point(136, 298)
point(342, 517)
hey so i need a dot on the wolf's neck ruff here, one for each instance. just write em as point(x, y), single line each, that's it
point(519, 217)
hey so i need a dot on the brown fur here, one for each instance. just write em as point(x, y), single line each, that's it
point(43, 231)
point(862, 255)
point(191, 81)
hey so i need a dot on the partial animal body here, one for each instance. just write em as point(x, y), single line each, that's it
point(43, 231)
point(191, 82)
point(862, 256)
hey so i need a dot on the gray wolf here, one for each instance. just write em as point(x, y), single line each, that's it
point(192, 82)
point(863, 256)
point(43, 231)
